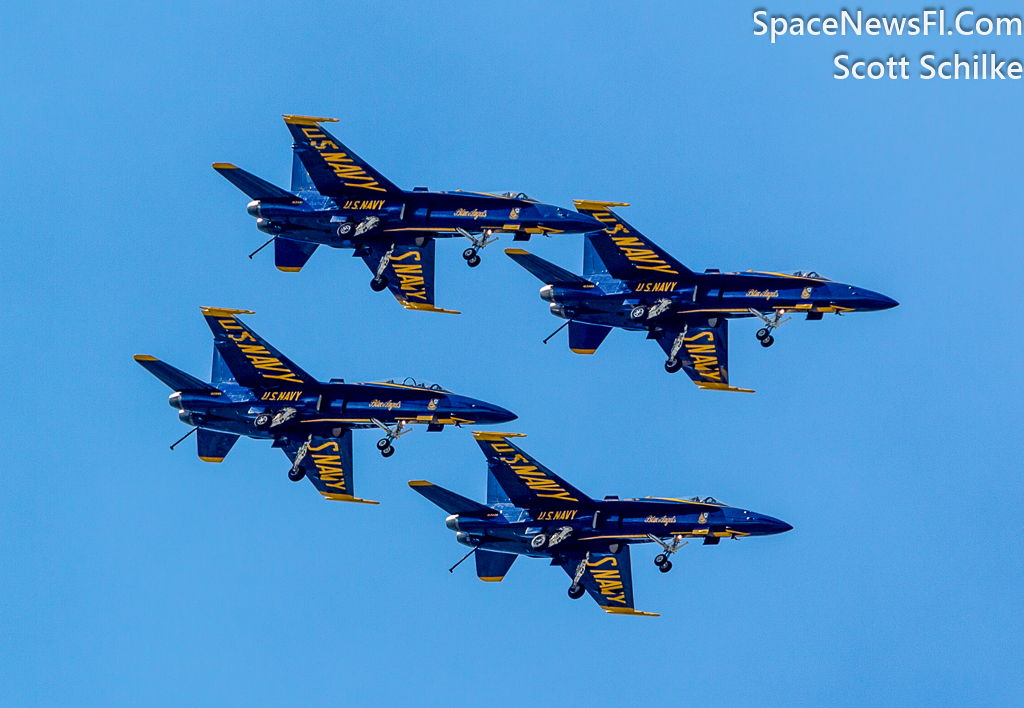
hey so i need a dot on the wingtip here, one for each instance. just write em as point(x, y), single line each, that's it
point(420, 483)
point(224, 166)
point(144, 357)
point(492, 435)
point(516, 252)
point(629, 611)
point(306, 120)
point(223, 311)
point(593, 204)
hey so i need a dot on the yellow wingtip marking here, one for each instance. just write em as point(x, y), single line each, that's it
point(145, 357)
point(629, 611)
point(224, 166)
point(493, 579)
point(307, 120)
point(224, 311)
point(289, 269)
point(347, 498)
point(420, 483)
point(211, 459)
point(591, 205)
point(723, 387)
point(491, 435)
point(583, 351)
point(516, 252)
point(423, 307)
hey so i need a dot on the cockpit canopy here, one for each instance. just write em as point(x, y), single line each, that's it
point(410, 381)
point(809, 274)
point(706, 500)
point(517, 195)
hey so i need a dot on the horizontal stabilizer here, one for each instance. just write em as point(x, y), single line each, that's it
point(177, 379)
point(450, 501)
point(253, 186)
point(491, 566)
point(214, 446)
point(291, 255)
point(586, 338)
point(542, 269)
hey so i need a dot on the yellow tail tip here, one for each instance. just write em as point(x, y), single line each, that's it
point(224, 166)
point(307, 120)
point(224, 311)
point(145, 357)
point(489, 435)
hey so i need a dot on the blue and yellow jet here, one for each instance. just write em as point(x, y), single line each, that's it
point(531, 511)
point(258, 392)
point(339, 200)
point(629, 282)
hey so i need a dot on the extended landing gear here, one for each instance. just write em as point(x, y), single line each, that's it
point(662, 559)
point(391, 434)
point(673, 363)
point(296, 473)
point(764, 335)
point(576, 590)
point(380, 281)
point(479, 243)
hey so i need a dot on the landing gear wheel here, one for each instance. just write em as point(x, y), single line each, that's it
point(768, 341)
point(665, 567)
point(383, 443)
point(576, 591)
point(469, 253)
point(378, 284)
point(539, 541)
point(638, 312)
point(296, 475)
point(673, 365)
point(263, 421)
point(388, 451)
point(473, 262)
point(762, 333)
point(660, 559)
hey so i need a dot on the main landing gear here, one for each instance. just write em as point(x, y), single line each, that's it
point(391, 434)
point(662, 559)
point(764, 335)
point(673, 363)
point(479, 243)
point(296, 473)
point(380, 281)
point(576, 590)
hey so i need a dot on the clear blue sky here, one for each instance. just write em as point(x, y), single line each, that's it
point(132, 575)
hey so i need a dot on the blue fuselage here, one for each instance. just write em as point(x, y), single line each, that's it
point(411, 217)
point(617, 523)
point(328, 409)
point(609, 301)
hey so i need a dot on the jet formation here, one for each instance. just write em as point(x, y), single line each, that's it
point(531, 511)
point(337, 199)
point(631, 283)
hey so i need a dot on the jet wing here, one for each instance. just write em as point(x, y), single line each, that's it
point(528, 483)
point(252, 360)
point(410, 273)
point(607, 577)
point(704, 353)
point(327, 463)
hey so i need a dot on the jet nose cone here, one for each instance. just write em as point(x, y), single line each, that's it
point(775, 525)
point(885, 303)
point(497, 414)
point(584, 222)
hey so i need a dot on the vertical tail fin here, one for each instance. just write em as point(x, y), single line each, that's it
point(301, 181)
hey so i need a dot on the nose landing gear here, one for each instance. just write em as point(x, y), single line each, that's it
point(479, 243)
point(764, 335)
point(391, 434)
point(662, 559)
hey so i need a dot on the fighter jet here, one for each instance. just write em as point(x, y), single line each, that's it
point(629, 282)
point(339, 200)
point(531, 511)
point(258, 392)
